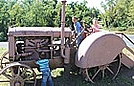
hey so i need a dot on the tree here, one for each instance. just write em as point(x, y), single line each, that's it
point(131, 13)
point(4, 20)
point(41, 13)
point(108, 16)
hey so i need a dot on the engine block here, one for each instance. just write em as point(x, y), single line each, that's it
point(34, 43)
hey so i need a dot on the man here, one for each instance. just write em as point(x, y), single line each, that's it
point(77, 27)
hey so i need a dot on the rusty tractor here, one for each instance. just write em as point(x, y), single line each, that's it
point(101, 52)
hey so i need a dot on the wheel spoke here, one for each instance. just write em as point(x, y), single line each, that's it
point(88, 76)
point(12, 71)
point(18, 70)
point(96, 74)
point(23, 71)
point(103, 73)
point(6, 58)
point(115, 60)
point(7, 75)
point(119, 66)
point(28, 75)
point(110, 70)
point(27, 78)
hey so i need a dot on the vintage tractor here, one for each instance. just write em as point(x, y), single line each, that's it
point(98, 52)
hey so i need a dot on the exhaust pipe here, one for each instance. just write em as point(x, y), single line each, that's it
point(62, 28)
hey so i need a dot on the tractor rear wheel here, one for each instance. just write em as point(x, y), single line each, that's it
point(110, 69)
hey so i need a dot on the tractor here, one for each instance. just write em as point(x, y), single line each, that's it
point(99, 53)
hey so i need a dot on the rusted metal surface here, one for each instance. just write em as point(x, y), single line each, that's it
point(38, 31)
point(36, 40)
point(99, 49)
point(63, 28)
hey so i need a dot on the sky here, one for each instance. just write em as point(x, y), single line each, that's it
point(91, 3)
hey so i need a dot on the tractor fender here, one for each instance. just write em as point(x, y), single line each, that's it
point(98, 49)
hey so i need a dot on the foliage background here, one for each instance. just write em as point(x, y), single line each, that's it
point(41, 13)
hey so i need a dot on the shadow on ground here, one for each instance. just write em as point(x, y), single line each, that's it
point(125, 78)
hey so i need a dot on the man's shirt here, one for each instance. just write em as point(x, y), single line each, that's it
point(77, 27)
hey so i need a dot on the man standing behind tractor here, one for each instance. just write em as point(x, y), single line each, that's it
point(46, 74)
point(78, 29)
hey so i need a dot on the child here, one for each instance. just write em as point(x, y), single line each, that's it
point(46, 74)
point(95, 26)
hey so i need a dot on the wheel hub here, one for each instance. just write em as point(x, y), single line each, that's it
point(17, 81)
point(103, 67)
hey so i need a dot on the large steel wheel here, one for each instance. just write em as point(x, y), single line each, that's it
point(4, 60)
point(19, 74)
point(111, 70)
